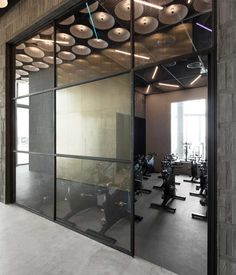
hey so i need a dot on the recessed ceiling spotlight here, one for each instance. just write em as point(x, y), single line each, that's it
point(168, 85)
point(149, 4)
point(148, 89)
point(136, 55)
point(196, 79)
point(155, 72)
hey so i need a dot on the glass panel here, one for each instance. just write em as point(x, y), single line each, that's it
point(94, 119)
point(165, 29)
point(94, 196)
point(34, 182)
point(35, 124)
point(93, 42)
point(34, 63)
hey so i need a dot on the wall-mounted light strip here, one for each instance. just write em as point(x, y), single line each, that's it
point(91, 20)
point(136, 55)
point(196, 79)
point(148, 89)
point(149, 4)
point(50, 41)
point(204, 27)
point(168, 85)
point(155, 72)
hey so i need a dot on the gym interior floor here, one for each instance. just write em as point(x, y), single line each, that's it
point(174, 241)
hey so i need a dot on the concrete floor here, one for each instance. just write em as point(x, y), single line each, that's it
point(30, 245)
point(174, 241)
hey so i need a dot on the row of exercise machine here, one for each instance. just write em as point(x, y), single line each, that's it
point(115, 202)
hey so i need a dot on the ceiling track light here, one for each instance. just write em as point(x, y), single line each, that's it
point(3, 4)
point(136, 55)
point(155, 72)
point(168, 85)
point(196, 79)
point(148, 89)
point(50, 41)
point(149, 4)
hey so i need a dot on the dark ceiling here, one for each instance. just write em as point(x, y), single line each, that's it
point(11, 3)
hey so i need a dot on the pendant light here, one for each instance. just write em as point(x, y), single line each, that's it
point(3, 3)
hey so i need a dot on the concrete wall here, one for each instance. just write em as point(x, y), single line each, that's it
point(226, 128)
point(158, 119)
point(23, 15)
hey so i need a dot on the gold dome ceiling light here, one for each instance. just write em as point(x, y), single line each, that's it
point(3, 4)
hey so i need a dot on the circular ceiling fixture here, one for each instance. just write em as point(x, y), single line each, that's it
point(195, 65)
point(48, 46)
point(50, 60)
point(119, 34)
point(67, 67)
point(68, 21)
point(3, 4)
point(81, 62)
point(22, 72)
point(92, 8)
point(98, 43)
point(65, 39)
point(81, 50)
point(48, 31)
point(18, 63)
point(40, 65)
point(24, 58)
point(202, 5)
point(103, 20)
point(81, 31)
point(31, 68)
point(20, 47)
point(169, 65)
point(68, 56)
point(122, 10)
point(145, 25)
point(34, 52)
point(173, 14)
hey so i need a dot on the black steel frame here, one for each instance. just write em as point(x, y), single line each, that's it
point(11, 115)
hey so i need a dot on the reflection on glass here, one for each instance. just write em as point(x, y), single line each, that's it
point(34, 182)
point(22, 129)
point(34, 72)
point(165, 29)
point(35, 123)
point(94, 196)
point(92, 42)
point(94, 119)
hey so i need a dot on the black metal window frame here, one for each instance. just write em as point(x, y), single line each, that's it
point(10, 98)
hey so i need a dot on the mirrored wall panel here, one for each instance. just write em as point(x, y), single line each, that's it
point(94, 119)
point(94, 196)
point(34, 182)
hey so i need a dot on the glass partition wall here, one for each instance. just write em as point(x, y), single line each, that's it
point(75, 111)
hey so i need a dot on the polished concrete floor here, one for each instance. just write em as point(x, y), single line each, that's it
point(30, 245)
point(174, 241)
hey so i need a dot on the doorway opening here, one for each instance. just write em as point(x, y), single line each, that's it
point(171, 164)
